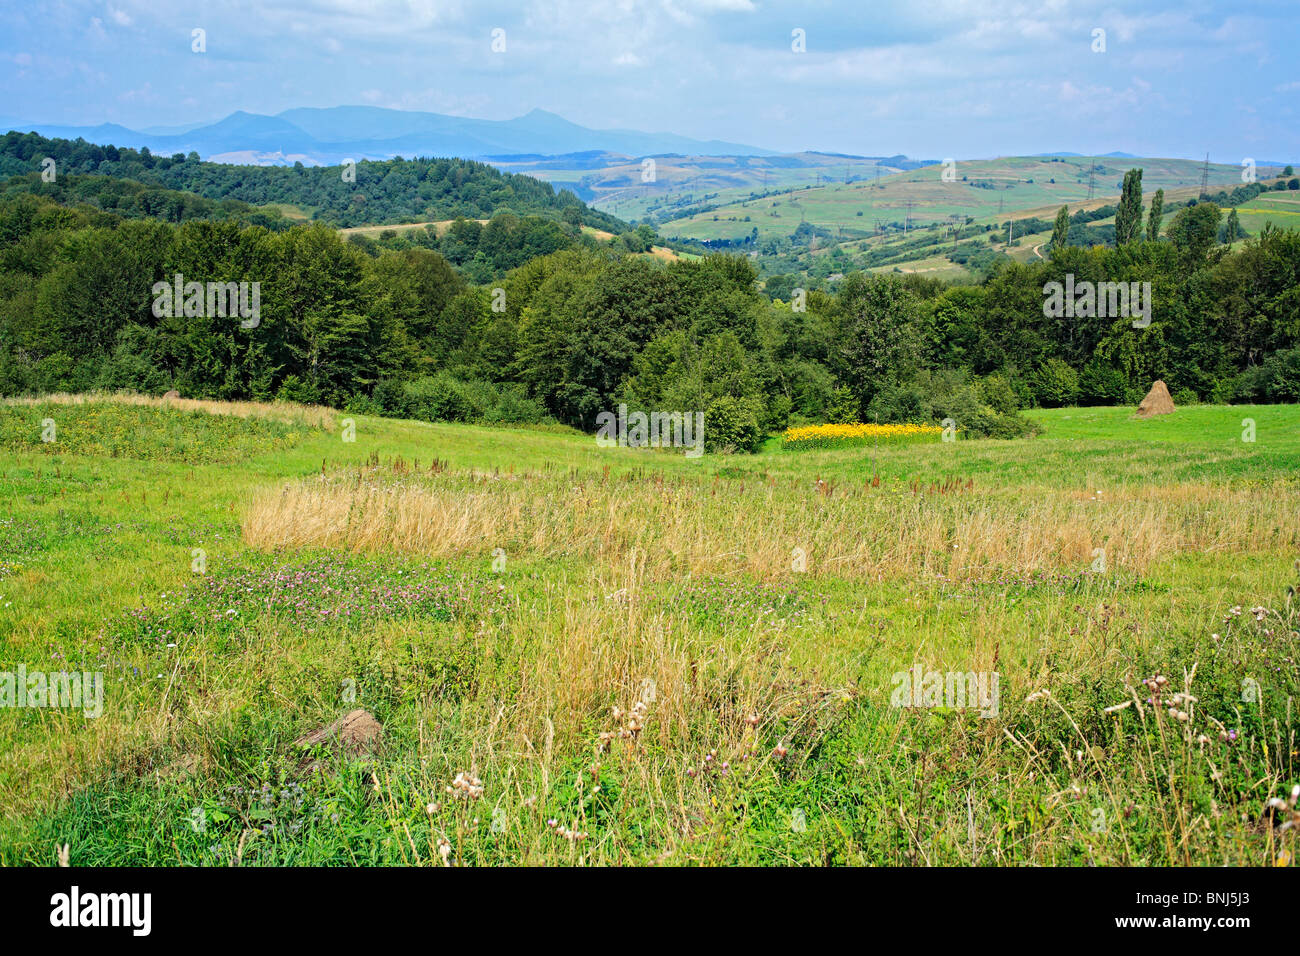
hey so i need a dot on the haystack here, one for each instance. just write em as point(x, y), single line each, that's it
point(1157, 402)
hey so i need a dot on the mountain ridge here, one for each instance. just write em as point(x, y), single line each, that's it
point(329, 135)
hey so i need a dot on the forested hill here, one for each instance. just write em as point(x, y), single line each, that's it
point(388, 191)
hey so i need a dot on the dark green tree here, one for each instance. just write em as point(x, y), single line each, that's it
point(1232, 231)
point(1128, 217)
point(1195, 230)
point(1155, 214)
point(1061, 230)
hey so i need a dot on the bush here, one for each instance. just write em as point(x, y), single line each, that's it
point(132, 366)
point(56, 373)
point(996, 392)
point(843, 406)
point(778, 413)
point(1101, 384)
point(445, 398)
point(976, 419)
point(390, 396)
point(731, 425)
point(436, 398)
point(294, 389)
point(363, 404)
point(505, 403)
point(1185, 396)
point(1221, 392)
point(1276, 380)
point(1283, 376)
point(898, 404)
point(934, 396)
point(1055, 384)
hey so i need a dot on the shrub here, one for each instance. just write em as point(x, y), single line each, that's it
point(731, 425)
point(843, 406)
point(996, 392)
point(1276, 380)
point(1282, 370)
point(1185, 396)
point(436, 398)
point(977, 419)
point(363, 404)
point(1101, 384)
point(390, 395)
point(294, 389)
point(133, 367)
point(1056, 384)
point(1221, 391)
point(778, 413)
point(934, 396)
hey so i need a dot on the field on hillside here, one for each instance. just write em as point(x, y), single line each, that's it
point(589, 655)
point(985, 190)
point(619, 185)
point(1282, 209)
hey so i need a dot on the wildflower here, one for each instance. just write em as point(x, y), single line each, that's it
point(1288, 809)
point(466, 786)
point(572, 835)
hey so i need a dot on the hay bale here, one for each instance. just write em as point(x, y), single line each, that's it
point(354, 734)
point(1157, 402)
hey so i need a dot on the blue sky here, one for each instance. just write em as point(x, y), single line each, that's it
point(929, 78)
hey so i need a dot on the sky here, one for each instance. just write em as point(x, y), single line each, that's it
point(927, 78)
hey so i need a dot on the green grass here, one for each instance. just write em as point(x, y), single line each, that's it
point(991, 191)
point(510, 672)
point(1282, 209)
point(107, 430)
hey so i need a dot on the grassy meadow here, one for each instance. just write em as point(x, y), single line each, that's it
point(587, 655)
point(992, 190)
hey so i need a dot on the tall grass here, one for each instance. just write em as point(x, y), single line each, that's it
point(314, 416)
point(850, 532)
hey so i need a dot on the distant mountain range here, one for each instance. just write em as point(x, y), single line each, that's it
point(328, 136)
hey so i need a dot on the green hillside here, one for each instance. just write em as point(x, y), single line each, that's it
point(983, 190)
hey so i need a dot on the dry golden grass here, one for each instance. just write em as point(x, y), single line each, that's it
point(316, 416)
point(755, 528)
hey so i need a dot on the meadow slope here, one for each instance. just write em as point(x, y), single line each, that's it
point(611, 656)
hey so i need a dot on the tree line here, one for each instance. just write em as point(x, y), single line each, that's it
point(385, 191)
point(573, 331)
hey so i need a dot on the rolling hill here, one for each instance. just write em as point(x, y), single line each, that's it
point(628, 187)
point(991, 190)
